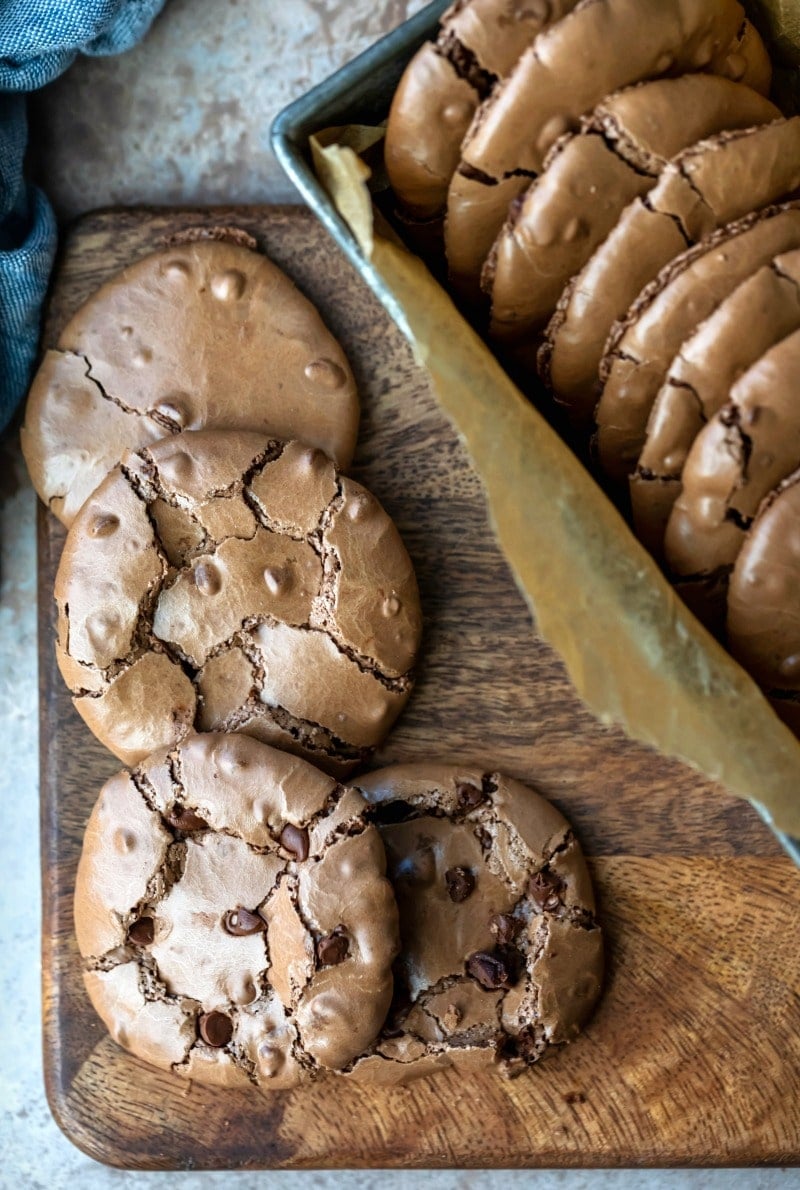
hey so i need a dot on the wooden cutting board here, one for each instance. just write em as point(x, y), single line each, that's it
point(694, 1054)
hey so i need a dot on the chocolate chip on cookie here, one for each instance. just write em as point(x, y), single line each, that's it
point(499, 976)
point(216, 954)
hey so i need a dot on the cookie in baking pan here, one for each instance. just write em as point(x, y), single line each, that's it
point(763, 627)
point(203, 334)
point(590, 177)
point(704, 187)
point(759, 313)
point(666, 312)
point(563, 76)
point(221, 581)
point(478, 43)
point(747, 448)
point(233, 915)
point(501, 957)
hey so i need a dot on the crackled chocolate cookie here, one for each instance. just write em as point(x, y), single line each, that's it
point(666, 312)
point(221, 581)
point(478, 43)
point(233, 915)
point(759, 313)
point(763, 626)
point(501, 957)
point(563, 75)
point(704, 187)
point(202, 334)
point(590, 177)
point(747, 448)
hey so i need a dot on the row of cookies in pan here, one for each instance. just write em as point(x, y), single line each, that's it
point(471, 162)
point(620, 241)
point(699, 419)
point(232, 911)
point(237, 926)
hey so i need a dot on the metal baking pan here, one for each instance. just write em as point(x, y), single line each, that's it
point(361, 93)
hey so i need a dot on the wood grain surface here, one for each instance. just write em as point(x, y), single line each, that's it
point(694, 1054)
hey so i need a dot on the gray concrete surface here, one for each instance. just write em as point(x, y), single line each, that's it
point(183, 118)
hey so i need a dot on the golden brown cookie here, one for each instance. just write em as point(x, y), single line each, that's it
point(478, 43)
point(590, 177)
point(202, 334)
point(600, 47)
point(233, 915)
point(706, 186)
point(501, 956)
point(221, 581)
point(760, 312)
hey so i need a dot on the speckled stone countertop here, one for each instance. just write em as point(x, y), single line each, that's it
point(184, 118)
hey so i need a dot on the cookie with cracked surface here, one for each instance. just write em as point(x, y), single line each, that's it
point(706, 186)
point(563, 76)
point(221, 581)
point(590, 177)
point(699, 380)
point(478, 43)
point(149, 355)
point(747, 448)
point(501, 956)
point(669, 309)
point(763, 630)
point(233, 915)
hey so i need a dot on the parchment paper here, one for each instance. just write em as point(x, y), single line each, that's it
point(635, 653)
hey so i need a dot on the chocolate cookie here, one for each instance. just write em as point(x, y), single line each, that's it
point(478, 43)
point(763, 626)
point(563, 76)
point(221, 581)
point(759, 313)
point(589, 178)
point(501, 957)
point(736, 460)
point(233, 915)
point(667, 311)
point(706, 186)
point(152, 352)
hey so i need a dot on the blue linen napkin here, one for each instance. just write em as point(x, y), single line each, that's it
point(39, 39)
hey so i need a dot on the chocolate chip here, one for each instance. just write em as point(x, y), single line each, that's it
point(469, 796)
point(215, 1028)
point(142, 932)
point(489, 970)
point(186, 820)
point(544, 889)
point(240, 922)
point(504, 927)
point(574, 1097)
point(295, 840)
point(333, 948)
point(460, 883)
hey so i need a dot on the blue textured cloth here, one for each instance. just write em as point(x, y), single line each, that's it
point(38, 40)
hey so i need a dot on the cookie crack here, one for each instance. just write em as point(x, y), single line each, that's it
point(163, 420)
point(619, 142)
point(646, 202)
point(110, 959)
point(648, 475)
point(311, 736)
point(779, 272)
point(465, 63)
